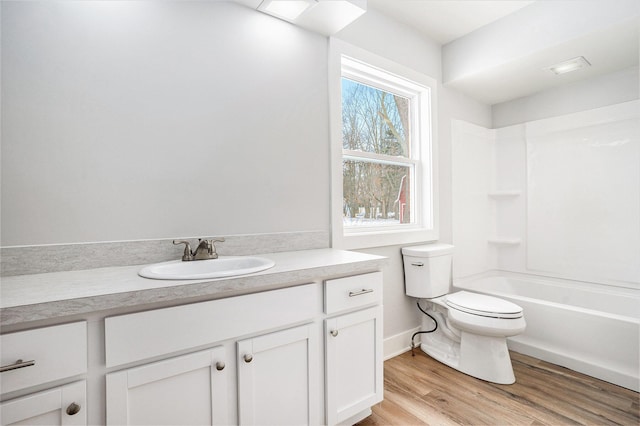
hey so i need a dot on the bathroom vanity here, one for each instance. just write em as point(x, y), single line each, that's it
point(300, 343)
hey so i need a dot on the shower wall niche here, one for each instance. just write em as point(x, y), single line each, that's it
point(558, 197)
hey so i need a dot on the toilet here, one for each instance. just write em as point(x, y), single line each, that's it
point(472, 329)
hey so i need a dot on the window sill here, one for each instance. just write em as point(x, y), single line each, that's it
point(360, 240)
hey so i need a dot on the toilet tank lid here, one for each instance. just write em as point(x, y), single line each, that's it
point(428, 250)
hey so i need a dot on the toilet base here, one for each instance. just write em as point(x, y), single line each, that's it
point(483, 357)
point(486, 358)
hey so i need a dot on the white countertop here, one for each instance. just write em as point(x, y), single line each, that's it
point(26, 298)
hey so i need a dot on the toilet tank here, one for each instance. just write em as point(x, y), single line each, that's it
point(427, 270)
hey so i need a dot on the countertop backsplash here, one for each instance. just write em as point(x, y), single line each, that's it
point(23, 260)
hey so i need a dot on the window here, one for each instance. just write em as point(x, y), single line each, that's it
point(382, 151)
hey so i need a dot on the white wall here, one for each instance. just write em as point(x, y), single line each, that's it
point(142, 120)
point(608, 89)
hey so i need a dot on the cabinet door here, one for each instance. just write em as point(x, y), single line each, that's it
point(278, 378)
point(354, 363)
point(186, 390)
point(64, 405)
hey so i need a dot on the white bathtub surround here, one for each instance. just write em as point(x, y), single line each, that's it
point(558, 197)
point(590, 328)
point(583, 195)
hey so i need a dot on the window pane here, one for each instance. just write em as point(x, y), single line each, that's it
point(375, 194)
point(374, 120)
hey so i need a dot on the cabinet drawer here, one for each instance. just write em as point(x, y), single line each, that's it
point(352, 292)
point(57, 352)
point(135, 337)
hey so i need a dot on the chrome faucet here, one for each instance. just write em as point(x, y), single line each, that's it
point(205, 250)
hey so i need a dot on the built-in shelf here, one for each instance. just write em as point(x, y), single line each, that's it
point(504, 241)
point(505, 194)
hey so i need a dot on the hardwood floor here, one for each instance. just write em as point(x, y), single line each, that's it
point(420, 390)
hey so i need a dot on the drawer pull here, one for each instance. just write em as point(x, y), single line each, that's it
point(418, 264)
point(73, 409)
point(220, 365)
point(18, 364)
point(334, 333)
point(361, 292)
point(248, 358)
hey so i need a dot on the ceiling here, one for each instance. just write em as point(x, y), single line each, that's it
point(502, 49)
point(499, 50)
point(447, 20)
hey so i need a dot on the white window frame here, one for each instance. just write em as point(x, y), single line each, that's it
point(362, 66)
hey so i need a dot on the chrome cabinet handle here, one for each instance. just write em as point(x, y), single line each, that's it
point(18, 364)
point(418, 264)
point(248, 358)
point(361, 292)
point(334, 333)
point(220, 365)
point(73, 409)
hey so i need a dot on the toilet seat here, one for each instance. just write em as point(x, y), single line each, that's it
point(482, 305)
point(484, 315)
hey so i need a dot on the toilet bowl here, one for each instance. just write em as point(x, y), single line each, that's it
point(472, 329)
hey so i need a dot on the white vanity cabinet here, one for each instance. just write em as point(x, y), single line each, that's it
point(273, 371)
point(116, 348)
point(237, 380)
point(353, 346)
point(32, 359)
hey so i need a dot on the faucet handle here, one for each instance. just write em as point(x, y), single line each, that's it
point(213, 254)
point(187, 255)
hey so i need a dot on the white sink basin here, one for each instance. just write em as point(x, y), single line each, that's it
point(224, 266)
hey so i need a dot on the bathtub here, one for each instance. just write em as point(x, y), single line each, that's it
point(590, 328)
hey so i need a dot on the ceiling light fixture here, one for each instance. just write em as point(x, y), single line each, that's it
point(289, 10)
point(570, 65)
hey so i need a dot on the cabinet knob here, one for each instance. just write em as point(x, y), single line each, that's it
point(220, 365)
point(248, 358)
point(73, 409)
point(334, 333)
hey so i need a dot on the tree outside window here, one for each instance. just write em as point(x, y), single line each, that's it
point(378, 171)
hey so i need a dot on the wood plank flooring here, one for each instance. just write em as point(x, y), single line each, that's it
point(422, 391)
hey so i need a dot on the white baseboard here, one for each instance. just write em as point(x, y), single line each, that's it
point(399, 343)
